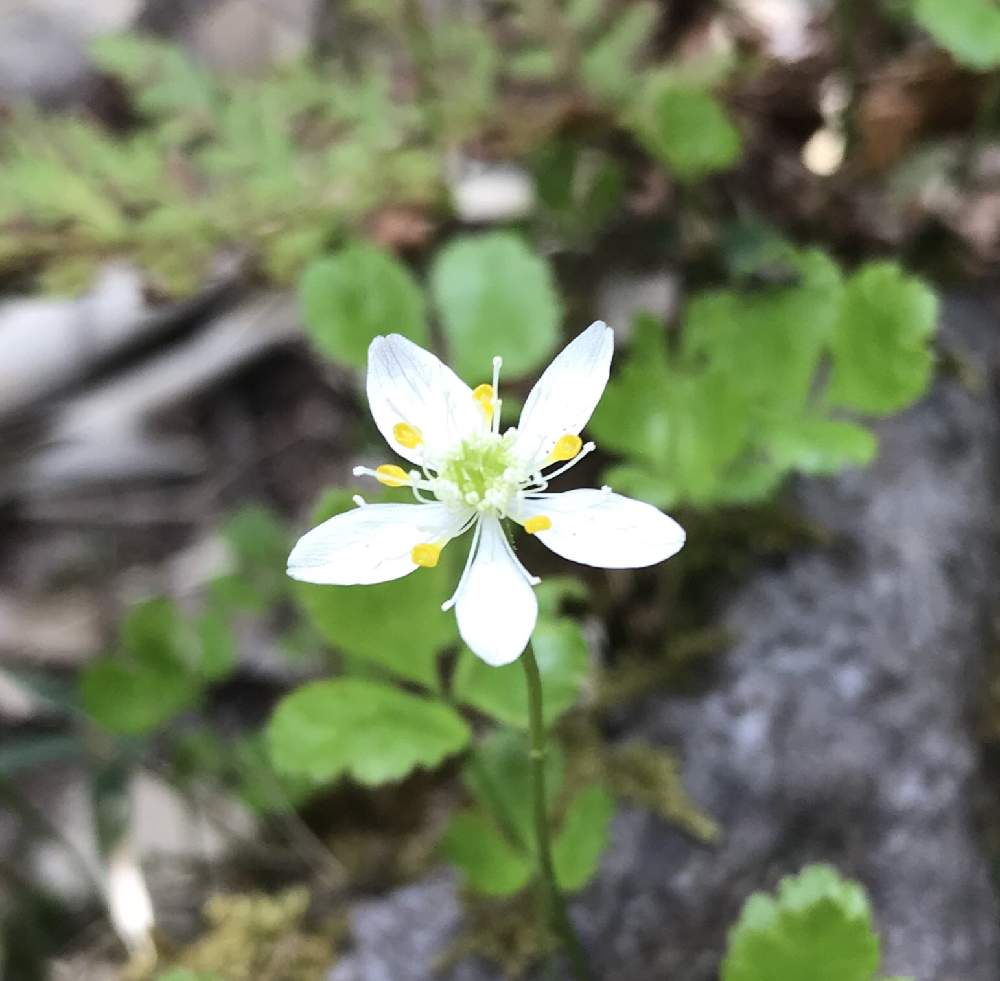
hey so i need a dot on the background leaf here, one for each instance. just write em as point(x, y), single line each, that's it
point(490, 864)
point(353, 618)
point(495, 295)
point(687, 128)
point(498, 774)
point(368, 730)
point(583, 836)
point(161, 670)
point(820, 446)
point(882, 358)
point(353, 296)
point(563, 662)
point(969, 29)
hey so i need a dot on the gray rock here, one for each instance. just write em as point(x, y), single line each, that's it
point(402, 935)
point(43, 46)
point(240, 36)
point(838, 729)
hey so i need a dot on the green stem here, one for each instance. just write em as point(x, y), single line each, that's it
point(847, 32)
point(555, 904)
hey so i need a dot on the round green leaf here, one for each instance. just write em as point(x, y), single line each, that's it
point(495, 296)
point(817, 927)
point(882, 358)
point(353, 296)
point(969, 29)
point(362, 728)
point(687, 128)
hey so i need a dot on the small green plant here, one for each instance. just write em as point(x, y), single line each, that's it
point(490, 289)
point(818, 926)
point(766, 382)
point(163, 666)
point(279, 166)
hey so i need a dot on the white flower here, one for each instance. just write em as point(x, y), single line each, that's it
point(470, 476)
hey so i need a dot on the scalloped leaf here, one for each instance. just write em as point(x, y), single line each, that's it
point(363, 729)
point(882, 356)
point(818, 926)
point(490, 864)
point(496, 295)
point(351, 297)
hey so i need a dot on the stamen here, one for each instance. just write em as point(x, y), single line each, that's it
point(426, 555)
point(537, 523)
point(587, 448)
point(407, 435)
point(391, 475)
point(566, 448)
point(483, 394)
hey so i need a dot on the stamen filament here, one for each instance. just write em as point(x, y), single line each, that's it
point(498, 403)
point(473, 548)
point(532, 580)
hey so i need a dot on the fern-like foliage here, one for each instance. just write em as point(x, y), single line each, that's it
point(284, 165)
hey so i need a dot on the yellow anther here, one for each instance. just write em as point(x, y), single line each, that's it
point(566, 448)
point(537, 523)
point(391, 475)
point(426, 555)
point(407, 435)
point(483, 394)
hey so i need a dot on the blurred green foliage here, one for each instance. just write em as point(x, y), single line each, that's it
point(765, 382)
point(968, 29)
point(492, 842)
point(350, 297)
point(282, 166)
point(163, 665)
point(495, 295)
point(818, 926)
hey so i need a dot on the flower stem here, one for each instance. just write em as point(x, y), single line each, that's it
point(554, 903)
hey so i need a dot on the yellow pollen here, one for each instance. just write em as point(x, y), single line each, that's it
point(407, 435)
point(391, 475)
point(483, 394)
point(537, 523)
point(566, 448)
point(426, 555)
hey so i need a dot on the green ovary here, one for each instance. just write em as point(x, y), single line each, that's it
point(479, 465)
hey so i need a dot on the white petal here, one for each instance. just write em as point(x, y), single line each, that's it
point(408, 384)
point(496, 608)
point(566, 395)
point(598, 527)
point(369, 544)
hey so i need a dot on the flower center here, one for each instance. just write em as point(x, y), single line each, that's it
point(482, 473)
